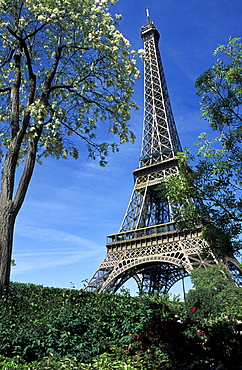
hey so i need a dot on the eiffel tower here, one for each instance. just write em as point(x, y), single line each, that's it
point(148, 247)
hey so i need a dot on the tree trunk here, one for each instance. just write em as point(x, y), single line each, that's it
point(7, 221)
point(9, 208)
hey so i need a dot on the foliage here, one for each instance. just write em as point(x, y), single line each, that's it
point(47, 363)
point(69, 68)
point(103, 362)
point(220, 88)
point(116, 359)
point(210, 193)
point(51, 328)
point(66, 76)
point(213, 345)
point(215, 294)
point(37, 320)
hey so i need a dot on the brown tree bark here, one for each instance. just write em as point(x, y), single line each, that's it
point(11, 200)
point(10, 205)
point(7, 221)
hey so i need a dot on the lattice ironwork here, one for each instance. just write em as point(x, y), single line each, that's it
point(160, 137)
point(145, 207)
point(140, 255)
point(148, 248)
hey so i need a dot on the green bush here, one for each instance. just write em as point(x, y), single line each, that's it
point(47, 363)
point(37, 320)
point(49, 328)
point(215, 294)
point(106, 361)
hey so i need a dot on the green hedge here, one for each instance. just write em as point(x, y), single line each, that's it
point(105, 361)
point(37, 320)
point(49, 328)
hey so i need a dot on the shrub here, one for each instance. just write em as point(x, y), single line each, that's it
point(51, 328)
point(37, 320)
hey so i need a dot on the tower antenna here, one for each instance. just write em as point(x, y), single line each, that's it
point(148, 14)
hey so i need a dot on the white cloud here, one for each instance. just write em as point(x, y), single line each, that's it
point(27, 261)
point(49, 235)
point(60, 248)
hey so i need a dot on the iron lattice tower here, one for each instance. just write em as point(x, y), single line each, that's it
point(148, 247)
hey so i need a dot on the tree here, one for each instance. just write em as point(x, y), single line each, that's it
point(65, 68)
point(215, 294)
point(209, 191)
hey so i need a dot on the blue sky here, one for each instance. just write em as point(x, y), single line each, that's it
point(71, 206)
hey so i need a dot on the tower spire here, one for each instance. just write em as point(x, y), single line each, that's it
point(148, 15)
